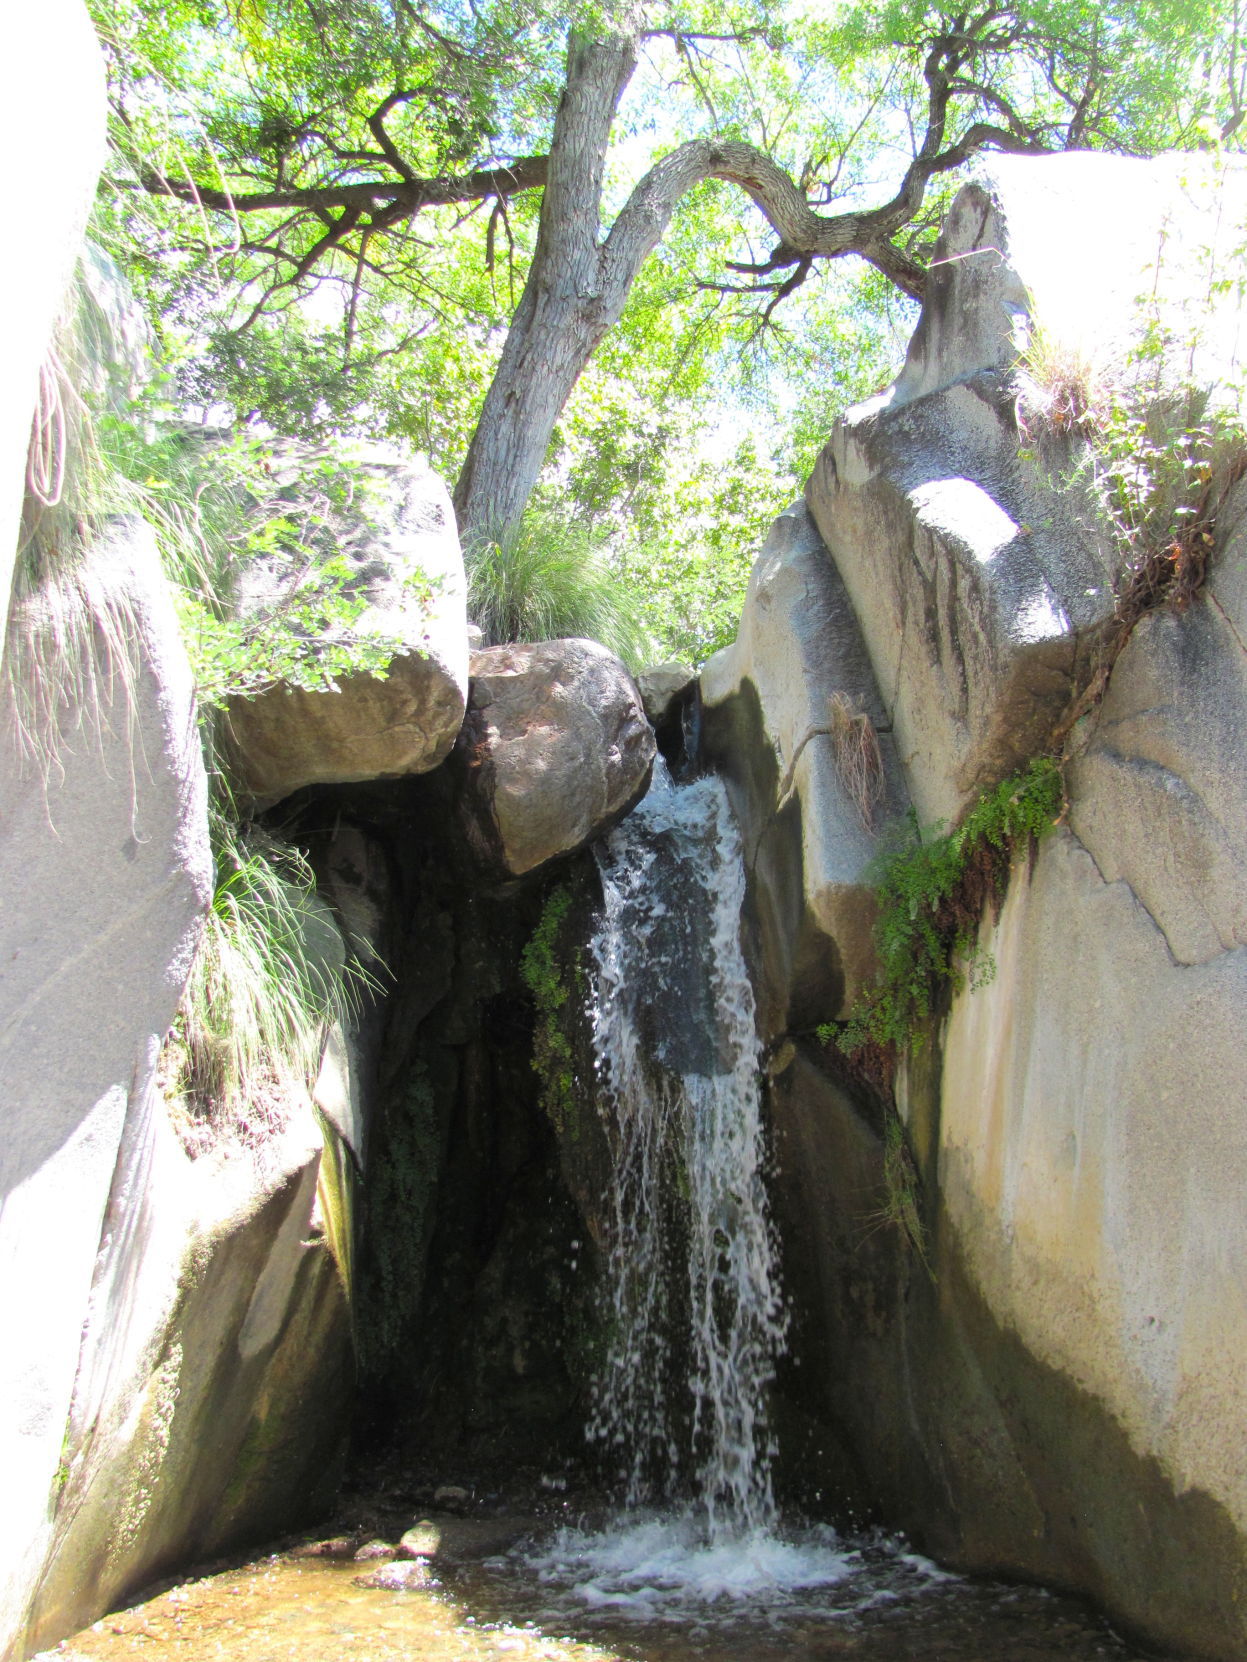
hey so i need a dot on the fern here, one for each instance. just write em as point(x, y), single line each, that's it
point(931, 894)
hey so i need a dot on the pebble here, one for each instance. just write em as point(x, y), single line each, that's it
point(421, 1541)
point(339, 1546)
point(397, 1578)
point(373, 1550)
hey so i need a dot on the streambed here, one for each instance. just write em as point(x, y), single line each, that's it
point(643, 1590)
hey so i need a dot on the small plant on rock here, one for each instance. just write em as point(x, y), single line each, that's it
point(932, 892)
point(267, 978)
point(859, 761)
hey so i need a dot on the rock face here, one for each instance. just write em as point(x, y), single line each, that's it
point(1158, 785)
point(1062, 1396)
point(105, 870)
point(181, 1352)
point(1092, 1143)
point(211, 1402)
point(364, 727)
point(974, 582)
point(794, 719)
point(555, 749)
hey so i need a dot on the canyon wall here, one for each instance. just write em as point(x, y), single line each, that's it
point(1048, 1375)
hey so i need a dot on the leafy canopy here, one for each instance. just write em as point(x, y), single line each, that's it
point(330, 206)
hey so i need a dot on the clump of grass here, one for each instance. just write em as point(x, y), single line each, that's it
point(267, 978)
point(1063, 389)
point(548, 579)
point(902, 1190)
point(932, 892)
point(859, 763)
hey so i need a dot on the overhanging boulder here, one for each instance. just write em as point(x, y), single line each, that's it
point(362, 727)
point(555, 749)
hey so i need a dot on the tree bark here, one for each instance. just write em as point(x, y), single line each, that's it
point(564, 310)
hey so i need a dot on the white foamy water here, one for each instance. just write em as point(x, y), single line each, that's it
point(694, 1320)
point(694, 1317)
point(663, 1571)
point(669, 1566)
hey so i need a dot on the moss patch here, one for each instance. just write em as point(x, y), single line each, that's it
point(551, 981)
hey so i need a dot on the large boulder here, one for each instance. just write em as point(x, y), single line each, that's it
point(1092, 1159)
point(662, 687)
point(978, 578)
point(106, 873)
point(215, 1382)
point(793, 717)
point(54, 55)
point(361, 726)
point(555, 749)
point(1092, 1156)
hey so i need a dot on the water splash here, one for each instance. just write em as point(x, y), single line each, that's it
point(695, 1318)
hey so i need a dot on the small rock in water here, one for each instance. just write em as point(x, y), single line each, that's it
point(421, 1541)
point(338, 1546)
point(450, 1494)
point(372, 1550)
point(399, 1577)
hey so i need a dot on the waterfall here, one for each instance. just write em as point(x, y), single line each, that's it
point(695, 1321)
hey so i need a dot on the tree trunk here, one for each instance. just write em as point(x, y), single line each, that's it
point(563, 312)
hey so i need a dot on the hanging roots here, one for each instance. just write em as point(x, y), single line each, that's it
point(45, 462)
point(858, 759)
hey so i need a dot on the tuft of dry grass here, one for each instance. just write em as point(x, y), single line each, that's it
point(1062, 388)
point(859, 761)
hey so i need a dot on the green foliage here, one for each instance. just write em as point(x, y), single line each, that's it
point(220, 503)
point(545, 976)
point(391, 322)
point(931, 891)
point(549, 579)
point(402, 1184)
point(268, 975)
point(1161, 435)
point(227, 503)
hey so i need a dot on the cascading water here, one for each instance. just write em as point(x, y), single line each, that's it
point(695, 1316)
point(694, 1319)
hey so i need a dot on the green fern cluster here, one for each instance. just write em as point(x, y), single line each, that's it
point(931, 893)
